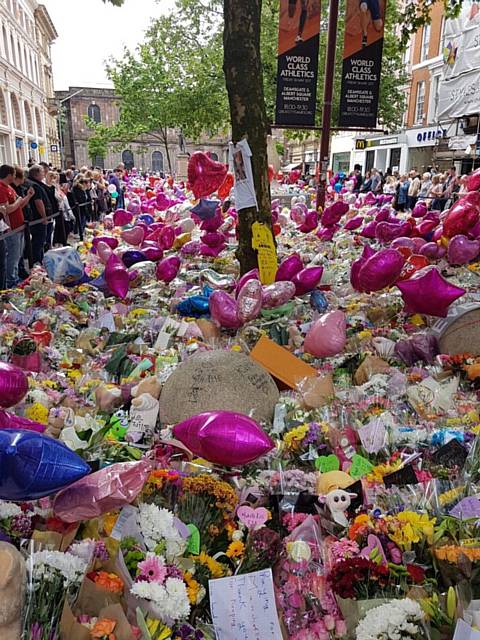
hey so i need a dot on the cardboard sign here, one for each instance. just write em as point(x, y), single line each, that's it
point(452, 454)
point(243, 607)
point(280, 363)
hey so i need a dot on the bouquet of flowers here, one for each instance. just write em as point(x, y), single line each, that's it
point(52, 578)
point(14, 522)
point(398, 619)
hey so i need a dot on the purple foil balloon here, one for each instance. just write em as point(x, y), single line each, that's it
point(461, 250)
point(381, 270)
point(386, 232)
point(354, 223)
point(274, 295)
point(307, 279)
point(254, 274)
point(418, 243)
point(167, 269)
point(289, 268)
point(368, 230)
point(213, 238)
point(191, 248)
point(383, 215)
point(370, 198)
point(334, 213)
point(249, 301)
point(432, 250)
point(129, 258)
point(223, 309)
point(223, 437)
point(325, 234)
point(13, 385)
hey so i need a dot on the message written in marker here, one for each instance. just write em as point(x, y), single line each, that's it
point(243, 607)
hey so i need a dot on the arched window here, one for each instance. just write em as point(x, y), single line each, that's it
point(99, 162)
point(94, 113)
point(157, 161)
point(3, 109)
point(127, 159)
point(38, 121)
point(17, 118)
point(28, 117)
point(214, 156)
point(12, 51)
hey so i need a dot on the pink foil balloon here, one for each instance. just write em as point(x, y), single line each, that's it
point(385, 232)
point(429, 293)
point(223, 437)
point(462, 216)
point(432, 250)
point(403, 242)
point(211, 252)
point(154, 254)
point(104, 252)
point(254, 274)
point(461, 250)
point(370, 198)
point(166, 238)
point(213, 238)
point(327, 336)
point(134, 236)
point(205, 176)
point(473, 181)
point(187, 225)
point(223, 309)
point(420, 210)
point(297, 214)
point(249, 301)
point(354, 223)
point(274, 295)
point(168, 268)
point(369, 229)
point(13, 385)
point(367, 253)
point(426, 227)
point(381, 270)
point(122, 217)
point(112, 242)
point(334, 213)
point(310, 223)
point(325, 234)
point(289, 267)
point(116, 277)
point(307, 279)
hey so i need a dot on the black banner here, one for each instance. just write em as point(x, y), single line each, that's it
point(298, 47)
point(362, 63)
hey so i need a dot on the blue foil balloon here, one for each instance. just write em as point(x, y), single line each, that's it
point(318, 301)
point(146, 218)
point(207, 291)
point(130, 258)
point(200, 304)
point(33, 466)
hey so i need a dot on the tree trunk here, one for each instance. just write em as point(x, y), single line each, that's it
point(244, 80)
point(167, 150)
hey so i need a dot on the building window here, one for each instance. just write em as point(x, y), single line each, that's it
point(12, 51)
point(94, 113)
point(20, 62)
point(17, 119)
point(99, 162)
point(436, 97)
point(340, 162)
point(3, 109)
point(441, 44)
point(420, 103)
point(38, 121)
point(28, 117)
point(127, 159)
point(395, 155)
point(214, 156)
point(425, 42)
point(3, 149)
point(157, 161)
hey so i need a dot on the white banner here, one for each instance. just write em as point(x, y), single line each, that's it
point(459, 90)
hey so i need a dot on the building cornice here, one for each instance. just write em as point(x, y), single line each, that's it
point(42, 15)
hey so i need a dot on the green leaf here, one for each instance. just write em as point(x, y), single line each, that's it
point(193, 546)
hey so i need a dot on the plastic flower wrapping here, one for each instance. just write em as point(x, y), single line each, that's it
point(190, 453)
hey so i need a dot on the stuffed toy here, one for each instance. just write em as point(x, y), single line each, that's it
point(12, 581)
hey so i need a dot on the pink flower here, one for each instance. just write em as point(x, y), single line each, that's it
point(152, 570)
point(329, 622)
point(340, 628)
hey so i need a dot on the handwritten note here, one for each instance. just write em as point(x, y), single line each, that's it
point(243, 607)
point(262, 241)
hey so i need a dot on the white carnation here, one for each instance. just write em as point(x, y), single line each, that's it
point(9, 510)
point(158, 526)
point(169, 600)
point(72, 568)
point(394, 620)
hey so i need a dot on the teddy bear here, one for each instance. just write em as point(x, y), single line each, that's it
point(150, 385)
point(12, 581)
point(58, 418)
point(108, 397)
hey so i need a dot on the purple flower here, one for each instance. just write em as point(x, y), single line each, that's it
point(36, 632)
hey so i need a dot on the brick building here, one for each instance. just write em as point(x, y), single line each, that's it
point(145, 153)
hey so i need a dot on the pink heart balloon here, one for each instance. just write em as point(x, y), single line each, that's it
point(385, 232)
point(133, 236)
point(205, 175)
point(152, 253)
point(473, 181)
point(461, 250)
point(289, 268)
point(274, 295)
point(116, 277)
point(122, 217)
point(354, 223)
point(307, 279)
point(166, 238)
point(213, 238)
point(254, 274)
point(249, 301)
point(403, 242)
point(369, 229)
point(104, 252)
point(327, 336)
point(420, 210)
point(112, 242)
point(223, 309)
point(334, 213)
point(168, 268)
point(381, 270)
point(368, 252)
point(432, 250)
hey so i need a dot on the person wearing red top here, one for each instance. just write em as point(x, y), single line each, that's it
point(11, 247)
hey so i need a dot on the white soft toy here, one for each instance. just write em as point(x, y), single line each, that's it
point(338, 501)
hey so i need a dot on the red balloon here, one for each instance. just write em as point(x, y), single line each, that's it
point(205, 176)
point(271, 173)
point(227, 185)
point(462, 216)
point(413, 264)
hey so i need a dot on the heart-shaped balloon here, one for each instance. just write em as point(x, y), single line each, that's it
point(433, 250)
point(289, 268)
point(327, 336)
point(226, 186)
point(205, 175)
point(368, 252)
point(249, 301)
point(166, 238)
point(152, 253)
point(462, 216)
point(133, 236)
point(473, 181)
point(369, 229)
point(111, 242)
point(354, 223)
point(461, 250)
point(167, 269)
point(254, 274)
point(333, 214)
point(116, 277)
point(420, 210)
point(278, 293)
point(223, 309)
point(104, 252)
point(385, 232)
point(122, 217)
point(129, 258)
point(307, 279)
point(381, 270)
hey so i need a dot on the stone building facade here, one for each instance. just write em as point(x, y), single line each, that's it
point(146, 153)
point(28, 125)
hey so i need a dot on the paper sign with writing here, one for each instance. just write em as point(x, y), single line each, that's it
point(126, 514)
point(466, 508)
point(327, 463)
point(243, 607)
point(253, 518)
point(373, 435)
point(262, 242)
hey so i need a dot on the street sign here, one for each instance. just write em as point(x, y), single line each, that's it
point(34, 145)
point(54, 148)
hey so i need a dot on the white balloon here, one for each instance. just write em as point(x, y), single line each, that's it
point(112, 188)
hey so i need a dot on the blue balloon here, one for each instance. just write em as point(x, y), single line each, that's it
point(101, 284)
point(130, 258)
point(318, 301)
point(207, 291)
point(34, 466)
point(206, 209)
point(194, 307)
point(146, 218)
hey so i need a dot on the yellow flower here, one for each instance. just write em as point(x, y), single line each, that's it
point(216, 568)
point(365, 334)
point(235, 549)
point(294, 437)
point(109, 521)
point(37, 412)
point(410, 528)
point(417, 320)
point(193, 588)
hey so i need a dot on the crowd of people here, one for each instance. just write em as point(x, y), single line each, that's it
point(438, 190)
point(42, 207)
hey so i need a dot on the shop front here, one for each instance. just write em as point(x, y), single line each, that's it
point(382, 153)
point(423, 144)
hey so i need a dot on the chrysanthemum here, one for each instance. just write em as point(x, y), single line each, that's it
point(152, 569)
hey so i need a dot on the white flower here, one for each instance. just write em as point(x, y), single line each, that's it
point(169, 600)
point(394, 620)
point(83, 550)
point(72, 568)
point(158, 526)
point(9, 510)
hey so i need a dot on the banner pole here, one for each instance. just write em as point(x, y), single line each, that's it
point(327, 101)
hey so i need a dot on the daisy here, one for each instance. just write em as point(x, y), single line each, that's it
point(152, 569)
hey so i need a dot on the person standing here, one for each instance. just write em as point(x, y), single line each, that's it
point(425, 186)
point(81, 199)
point(115, 179)
point(413, 190)
point(40, 208)
point(401, 197)
point(21, 189)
